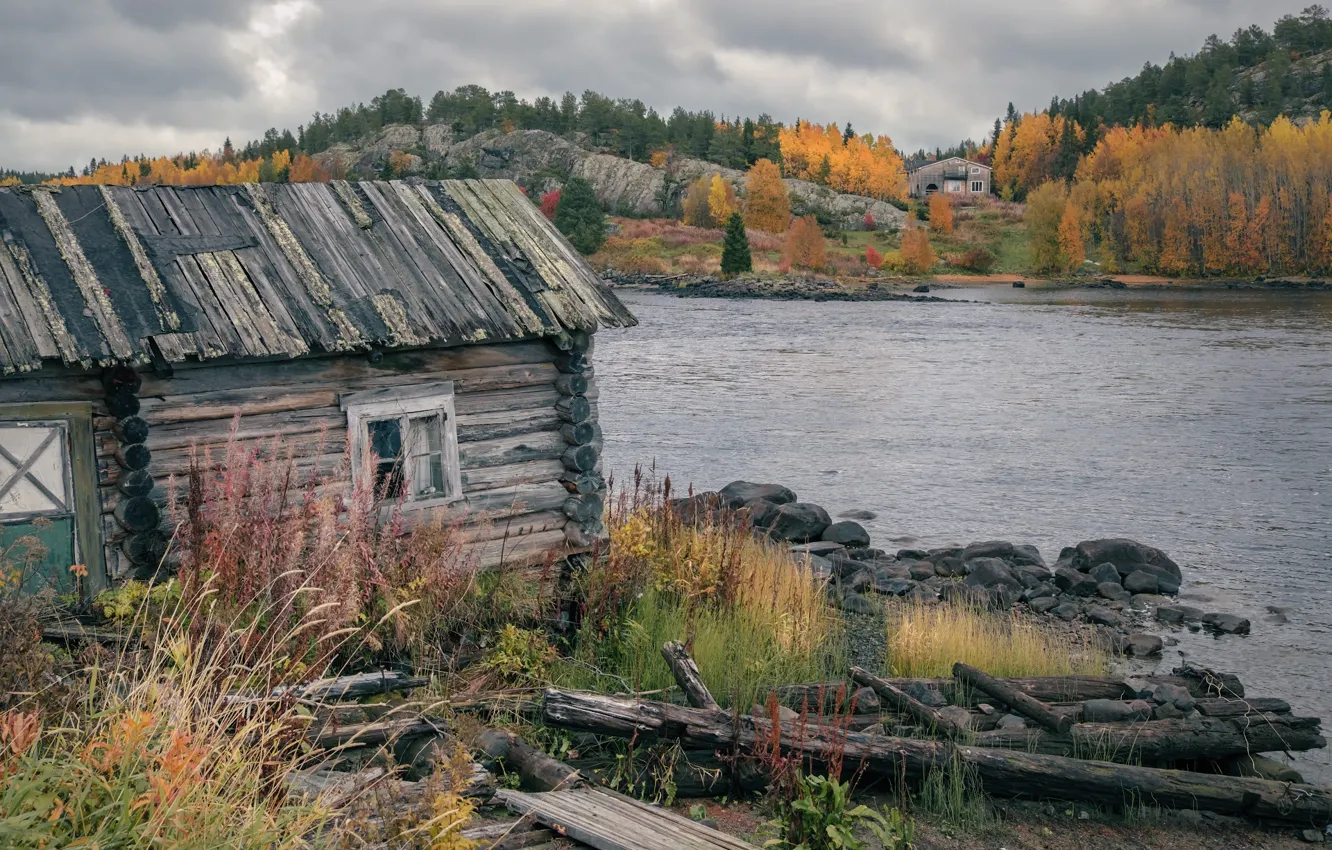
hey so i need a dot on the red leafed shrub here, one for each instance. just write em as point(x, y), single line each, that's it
point(977, 259)
point(549, 203)
point(873, 257)
point(869, 221)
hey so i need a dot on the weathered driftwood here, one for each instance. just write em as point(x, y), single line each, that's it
point(905, 703)
point(1048, 689)
point(375, 733)
point(1160, 741)
point(605, 820)
point(510, 836)
point(1016, 699)
point(1000, 772)
point(1223, 707)
point(538, 771)
point(692, 774)
point(686, 674)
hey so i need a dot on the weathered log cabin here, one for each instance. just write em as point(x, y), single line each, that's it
point(446, 327)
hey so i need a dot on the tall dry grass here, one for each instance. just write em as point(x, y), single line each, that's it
point(752, 616)
point(927, 640)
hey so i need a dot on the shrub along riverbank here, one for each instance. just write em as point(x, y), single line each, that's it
point(188, 719)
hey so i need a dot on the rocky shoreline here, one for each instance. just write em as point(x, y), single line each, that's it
point(788, 288)
point(816, 288)
point(1116, 588)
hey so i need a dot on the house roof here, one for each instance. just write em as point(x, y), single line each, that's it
point(94, 275)
point(917, 164)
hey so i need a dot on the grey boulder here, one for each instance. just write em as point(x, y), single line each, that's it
point(739, 493)
point(1115, 711)
point(799, 522)
point(1141, 581)
point(1105, 572)
point(1228, 624)
point(849, 534)
point(1176, 614)
point(1113, 591)
point(1073, 582)
point(1127, 556)
point(990, 572)
point(1142, 645)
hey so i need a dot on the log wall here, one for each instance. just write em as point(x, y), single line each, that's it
point(524, 496)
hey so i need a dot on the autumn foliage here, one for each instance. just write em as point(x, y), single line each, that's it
point(941, 213)
point(1032, 149)
point(860, 165)
point(917, 255)
point(1233, 201)
point(203, 170)
point(767, 205)
point(550, 202)
point(721, 200)
point(872, 257)
point(805, 246)
point(695, 211)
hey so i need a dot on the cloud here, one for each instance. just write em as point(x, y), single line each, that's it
point(99, 78)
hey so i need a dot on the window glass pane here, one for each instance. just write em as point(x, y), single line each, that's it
point(385, 439)
point(427, 450)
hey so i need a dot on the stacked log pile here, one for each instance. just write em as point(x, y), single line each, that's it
point(582, 459)
point(1165, 741)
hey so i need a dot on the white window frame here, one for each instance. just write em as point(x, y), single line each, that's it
point(978, 185)
point(405, 403)
point(975, 169)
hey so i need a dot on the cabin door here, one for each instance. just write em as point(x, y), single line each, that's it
point(44, 478)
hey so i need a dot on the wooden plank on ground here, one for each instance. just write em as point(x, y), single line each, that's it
point(607, 821)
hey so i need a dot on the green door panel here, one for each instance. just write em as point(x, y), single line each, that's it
point(42, 550)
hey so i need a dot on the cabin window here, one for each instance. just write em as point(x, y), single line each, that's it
point(977, 186)
point(975, 169)
point(407, 439)
point(48, 498)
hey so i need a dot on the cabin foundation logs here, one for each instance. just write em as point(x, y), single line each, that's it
point(582, 459)
point(137, 514)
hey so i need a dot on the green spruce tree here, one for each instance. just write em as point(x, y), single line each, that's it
point(736, 258)
point(579, 216)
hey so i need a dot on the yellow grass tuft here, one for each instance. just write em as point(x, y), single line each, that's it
point(927, 640)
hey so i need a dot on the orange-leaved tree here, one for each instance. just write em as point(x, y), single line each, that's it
point(805, 246)
point(1070, 238)
point(917, 254)
point(721, 200)
point(941, 213)
point(1045, 211)
point(767, 205)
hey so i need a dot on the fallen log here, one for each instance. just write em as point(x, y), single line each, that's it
point(1223, 707)
point(690, 774)
point(686, 674)
point(905, 703)
point(1021, 702)
point(375, 733)
point(1163, 741)
point(1002, 773)
point(538, 771)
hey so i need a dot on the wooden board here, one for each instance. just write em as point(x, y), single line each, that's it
point(608, 821)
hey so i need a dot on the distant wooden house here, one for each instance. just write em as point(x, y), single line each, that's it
point(952, 176)
point(444, 326)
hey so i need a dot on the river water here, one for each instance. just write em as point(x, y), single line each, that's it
point(1198, 422)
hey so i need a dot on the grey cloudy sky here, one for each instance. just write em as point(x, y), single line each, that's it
point(101, 78)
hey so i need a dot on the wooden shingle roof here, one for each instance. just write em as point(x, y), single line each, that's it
point(93, 275)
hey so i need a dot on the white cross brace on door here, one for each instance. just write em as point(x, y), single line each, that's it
point(34, 469)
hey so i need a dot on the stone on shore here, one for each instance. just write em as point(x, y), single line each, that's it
point(1075, 583)
point(1105, 572)
point(1176, 614)
point(1113, 591)
point(1044, 604)
point(1143, 645)
point(739, 493)
point(818, 547)
point(858, 514)
point(799, 522)
point(1127, 556)
point(761, 512)
point(1141, 581)
point(990, 572)
point(853, 603)
point(1174, 694)
point(950, 567)
point(1026, 554)
point(1226, 623)
point(848, 533)
point(988, 549)
point(697, 508)
point(1115, 711)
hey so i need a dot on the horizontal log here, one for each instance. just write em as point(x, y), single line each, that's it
point(530, 550)
point(514, 499)
point(121, 405)
point(582, 483)
point(580, 458)
point(571, 384)
point(524, 472)
point(132, 457)
point(146, 549)
point(585, 536)
point(1160, 741)
point(135, 482)
point(138, 514)
point(1222, 707)
point(582, 509)
point(375, 733)
point(572, 362)
point(581, 434)
point(1001, 773)
point(538, 771)
point(542, 445)
point(342, 370)
point(131, 429)
point(513, 527)
point(574, 409)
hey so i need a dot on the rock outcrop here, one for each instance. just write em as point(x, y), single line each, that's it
point(542, 161)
